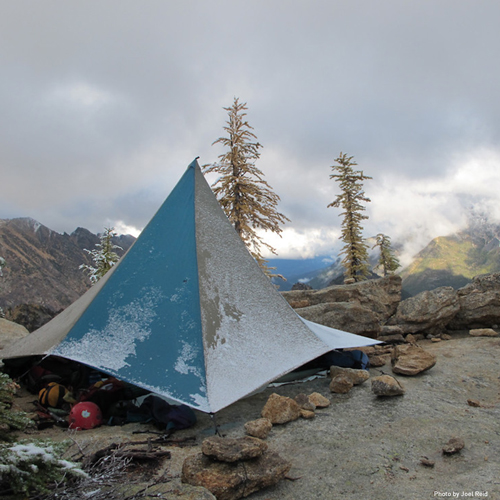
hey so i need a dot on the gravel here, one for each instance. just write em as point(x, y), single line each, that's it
point(366, 447)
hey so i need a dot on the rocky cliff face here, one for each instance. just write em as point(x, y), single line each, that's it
point(361, 308)
point(374, 308)
point(43, 265)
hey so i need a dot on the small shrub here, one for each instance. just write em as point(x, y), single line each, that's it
point(10, 419)
point(31, 467)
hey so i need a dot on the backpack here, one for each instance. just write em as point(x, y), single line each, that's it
point(163, 414)
point(52, 396)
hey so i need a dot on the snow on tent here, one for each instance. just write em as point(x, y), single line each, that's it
point(187, 313)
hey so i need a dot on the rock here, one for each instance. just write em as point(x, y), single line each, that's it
point(31, 316)
point(300, 303)
point(483, 332)
point(259, 428)
point(445, 336)
point(319, 400)
point(411, 360)
point(428, 463)
point(473, 402)
point(10, 332)
point(479, 303)
point(411, 339)
point(377, 361)
point(355, 376)
point(389, 330)
point(231, 481)
point(429, 311)
point(307, 414)
point(454, 445)
point(341, 384)
point(303, 401)
point(280, 409)
point(357, 308)
point(348, 316)
point(436, 339)
point(233, 449)
point(367, 349)
point(396, 338)
point(383, 349)
point(385, 385)
point(301, 286)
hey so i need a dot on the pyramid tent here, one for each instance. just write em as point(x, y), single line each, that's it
point(187, 313)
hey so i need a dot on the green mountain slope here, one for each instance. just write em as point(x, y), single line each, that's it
point(454, 260)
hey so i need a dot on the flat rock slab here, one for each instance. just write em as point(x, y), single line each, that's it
point(483, 332)
point(411, 360)
point(233, 449)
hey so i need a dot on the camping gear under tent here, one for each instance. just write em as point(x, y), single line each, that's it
point(187, 313)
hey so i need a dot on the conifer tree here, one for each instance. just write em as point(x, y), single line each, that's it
point(388, 262)
point(355, 249)
point(246, 198)
point(2, 265)
point(104, 256)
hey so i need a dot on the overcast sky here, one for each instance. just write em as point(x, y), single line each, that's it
point(104, 104)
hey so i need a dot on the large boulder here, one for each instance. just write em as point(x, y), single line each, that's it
point(10, 332)
point(348, 316)
point(231, 481)
point(428, 312)
point(479, 303)
point(380, 297)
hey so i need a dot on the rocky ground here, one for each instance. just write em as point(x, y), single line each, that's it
point(361, 446)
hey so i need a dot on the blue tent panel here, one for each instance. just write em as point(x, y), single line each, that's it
point(144, 325)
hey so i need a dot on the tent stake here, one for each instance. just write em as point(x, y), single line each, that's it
point(216, 427)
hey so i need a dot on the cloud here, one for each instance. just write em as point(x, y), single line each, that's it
point(105, 104)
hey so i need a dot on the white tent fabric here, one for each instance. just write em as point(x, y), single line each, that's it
point(187, 313)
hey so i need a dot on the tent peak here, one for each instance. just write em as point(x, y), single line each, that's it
point(194, 163)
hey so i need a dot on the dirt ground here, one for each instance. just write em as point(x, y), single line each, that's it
point(361, 446)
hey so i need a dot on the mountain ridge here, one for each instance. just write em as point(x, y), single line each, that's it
point(42, 265)
point(451, 260)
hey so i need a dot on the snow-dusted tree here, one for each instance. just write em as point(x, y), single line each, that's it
point(104, 256)
point(388, 262)
point(355, 249)
point(247, 199)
